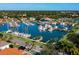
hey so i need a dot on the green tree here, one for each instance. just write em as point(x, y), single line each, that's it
point(67, 47)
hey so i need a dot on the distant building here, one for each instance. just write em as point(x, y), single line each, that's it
point(24, 19)
point(5, 17)
point(47, 18)
point(4, 45)
point(1, 20)
point(32, 18)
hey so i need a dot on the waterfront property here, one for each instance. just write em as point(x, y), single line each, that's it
point(18, 42)
point(4, 45)
point(13, 51)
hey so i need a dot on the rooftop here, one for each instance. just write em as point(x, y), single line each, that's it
point(21, 43)
point(2, 43)
point(11, 51)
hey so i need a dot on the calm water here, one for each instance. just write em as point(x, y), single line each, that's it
point(33, 30)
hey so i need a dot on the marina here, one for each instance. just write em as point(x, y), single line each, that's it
point(47, 31)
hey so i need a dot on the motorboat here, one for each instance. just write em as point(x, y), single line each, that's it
point(50, 29)
point(56, 27)
point(40, 28)
point(63, 23)
point(28, 23)
point(21, 34)
point(9, 31)
point(65, 28)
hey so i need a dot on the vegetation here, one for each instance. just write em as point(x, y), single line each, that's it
point(11, 46)
point(21, 48)
point(52, 14)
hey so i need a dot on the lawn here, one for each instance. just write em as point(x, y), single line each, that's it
point(31, 41)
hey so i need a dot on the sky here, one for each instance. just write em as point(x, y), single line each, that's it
point(39, 6)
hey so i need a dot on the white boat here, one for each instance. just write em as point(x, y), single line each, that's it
point(65, 28)
point(15, 33)
point(31, 24)
point(11, 25)
point(9, 31)
point(21, 34)
point(27, 35)
point(40, 28)
point(73, 24)
point(28, 23)
point(16, 24)
point(49, 26)
point(46, 26)
point(44, 29)
point(50, 29)
point(54, 23)
point(63, 23)
point(56, 27)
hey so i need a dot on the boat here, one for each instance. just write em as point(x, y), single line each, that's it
point(9, 31)
point(46, 25)
point(56, 27)
point(50, 29)
point(25, 23)
point(28, 23)
point(13, 24)
point(21, 34)
point(54, 23)
point(73, 25)
point(44, 29)
point(65, 28)
point(16, 24)
point(40, 28)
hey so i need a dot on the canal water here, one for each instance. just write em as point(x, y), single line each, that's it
point(34, 31)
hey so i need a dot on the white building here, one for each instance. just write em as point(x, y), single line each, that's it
point(37, 49)
point(4, 45)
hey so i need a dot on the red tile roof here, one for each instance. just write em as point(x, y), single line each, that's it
point(11, 51)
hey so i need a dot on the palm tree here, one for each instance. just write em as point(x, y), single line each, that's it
point(67, 46)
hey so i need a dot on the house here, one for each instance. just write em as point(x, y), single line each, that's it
point(36, 49)
point(4, 45)
point(18, 42)
point(21, 43)
point(32, 19)
point(13, 51)
point(28, 46)
point(47, 18)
